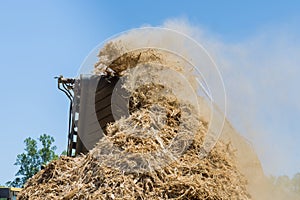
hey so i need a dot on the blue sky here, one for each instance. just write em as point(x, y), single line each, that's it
point(40, 40)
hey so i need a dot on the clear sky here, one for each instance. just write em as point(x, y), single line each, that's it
point(43, 39)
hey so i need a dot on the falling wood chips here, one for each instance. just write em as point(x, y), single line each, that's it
point(214, 177)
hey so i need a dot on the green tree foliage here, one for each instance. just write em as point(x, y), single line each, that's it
point(289, 185)
point(47, 152)
point(296, 183)
point(33, 158)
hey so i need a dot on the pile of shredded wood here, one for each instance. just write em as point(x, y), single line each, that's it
point(151, 154)
point(214, 177)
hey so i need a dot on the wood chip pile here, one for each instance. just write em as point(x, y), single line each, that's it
point(158, 120)
point(214, 177)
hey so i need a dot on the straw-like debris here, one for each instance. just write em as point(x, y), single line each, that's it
point(215, 177)
point(189, 177)
point(151, 154)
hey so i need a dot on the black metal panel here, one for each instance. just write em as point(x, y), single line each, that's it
point(92, 103)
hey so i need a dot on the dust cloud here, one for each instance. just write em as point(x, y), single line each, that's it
point(261, 77)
